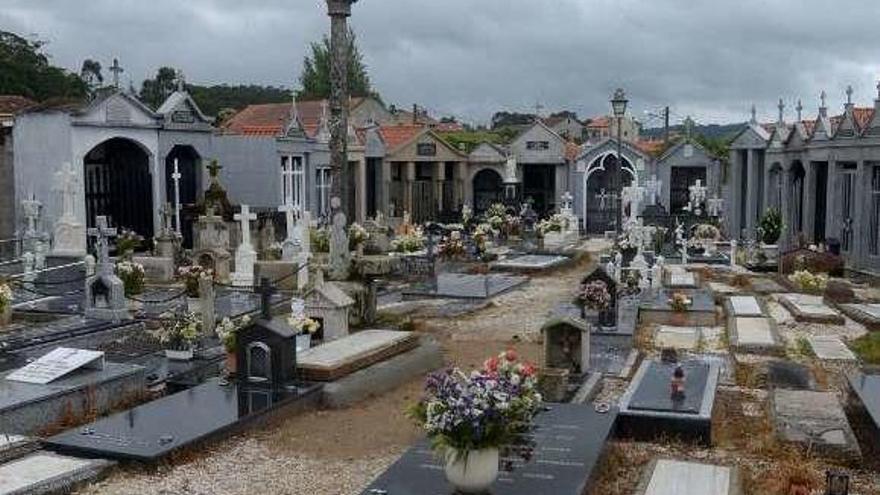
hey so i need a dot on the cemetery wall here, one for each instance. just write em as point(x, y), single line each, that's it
point(7, 186)
point(251, 170)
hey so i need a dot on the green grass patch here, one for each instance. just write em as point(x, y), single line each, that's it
point(867, 348)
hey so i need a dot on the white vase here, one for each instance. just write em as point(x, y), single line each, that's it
point(303, 342)
point(472, 471)
point(179, 355)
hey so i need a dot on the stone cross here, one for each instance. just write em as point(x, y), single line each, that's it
point(245, 217)
point(754, 118)
point(66, 184)
point(697, 196)
point(289, 210)
point(176, 177)
point(214, 170)
point(781, 107)
point(603, 197)
point(822, 97)
point(101, 233)
point(116, 69)
point(799, 108)
point(653, 187)
point(849, 93)
point(31, 208)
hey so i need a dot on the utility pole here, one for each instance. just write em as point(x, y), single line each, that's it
point(666, 125)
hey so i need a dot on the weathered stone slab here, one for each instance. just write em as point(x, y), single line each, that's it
point(687, 338)
point(721, 290)
point(357, 351)
point(810, 308)
point(43, 472)
point(671, 477)
point(57, 363)
point(530, 262)
point(766, 286)
point(680, 279)
point(745, 306)
point(654, 308)
point(751, 334)
point(282, 273)
point(866, 314)
point(814, 418)
point(156, 269)
point(867, 388)
point(831, 348)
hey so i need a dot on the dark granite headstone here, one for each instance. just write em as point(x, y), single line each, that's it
point(569, 440)
point(788, 375)
point(867, 389)
point(153, 430)
point(654, 394)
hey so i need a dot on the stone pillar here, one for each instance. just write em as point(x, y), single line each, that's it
point(360, 192)
point(439, 175)
point(785, 208)
point(751, 192)
point(809, 200)
point(461, 173)
point(408, 179)
point(861, 217)
point(831, 227)
point(733, 200)
point(385, 189)
point(339, 11)
point(206, 303)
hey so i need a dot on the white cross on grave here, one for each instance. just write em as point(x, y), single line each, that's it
point(101, 233)
point(603, 196)
point(245, 217)
point(697, 196)
point(66, 184)
point(715, 206)
point(653, 188)
point(31, 209)
point(176, 177)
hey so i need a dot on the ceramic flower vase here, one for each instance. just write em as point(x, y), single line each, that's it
point(472, 471)
point(303, 342)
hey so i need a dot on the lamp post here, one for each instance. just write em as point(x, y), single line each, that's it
point(618, 106)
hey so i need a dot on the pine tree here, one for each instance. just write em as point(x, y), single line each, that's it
point(315, 77)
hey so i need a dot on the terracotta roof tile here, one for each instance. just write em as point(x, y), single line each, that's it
point(278, 115)
point(572, 150)
point(603, 121)
point(10, 104)
point(396, 135)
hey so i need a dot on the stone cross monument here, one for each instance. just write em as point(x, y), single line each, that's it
point(245, 255)
point(105, 292)
point(69, 234)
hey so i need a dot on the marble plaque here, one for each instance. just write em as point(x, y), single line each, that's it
point(745, 306)
point(754, 332)
point(830, 347)
point(688, 478)
point(56, 364)
point(43, 471)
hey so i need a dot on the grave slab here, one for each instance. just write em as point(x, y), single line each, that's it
point(530, 262)
point(755, 335)
point(831, 348)
point(654, 308)
point(681, 279)
point(721, 290)
point(866, 388)
point(155, 429)
point(866, 314)
point(43, 472)
point(344, 356)
point(765, 286)
point(27, 408)
point(466, 286)
point(569, 441)
point(740, 306)
point(57, 363)
point(810, 308)
point(814, 418)
point(789, 375)
point(647, 408)
point(672, 477)
point(687, 338)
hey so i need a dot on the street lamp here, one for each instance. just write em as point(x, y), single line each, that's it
point(618, 106)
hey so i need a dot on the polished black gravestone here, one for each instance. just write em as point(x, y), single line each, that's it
point(569, 441)
point(155, 429)
point(789, 375)
point(647, 409)
point(867, 388)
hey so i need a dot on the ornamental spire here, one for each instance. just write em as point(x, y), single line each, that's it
point(754, 119)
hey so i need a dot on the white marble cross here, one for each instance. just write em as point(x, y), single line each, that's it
point(697, 196)
point(31, 208)
point(653, 186)
point(290, 210)
point(176, 177)
point(66, 183)
point(245, 218)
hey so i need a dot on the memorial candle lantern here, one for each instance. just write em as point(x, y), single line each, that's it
point(677, 382)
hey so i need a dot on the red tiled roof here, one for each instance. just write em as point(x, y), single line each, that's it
point(603, 121)
point(396, 135)
point(651, 147)
point(863, 116)
point(264, 116)
point(10, 104)
point(572, 150)
point(448, 127)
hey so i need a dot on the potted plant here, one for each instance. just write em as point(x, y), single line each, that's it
point(127, 242)
point(5, 304)
point(226, 332)
point(305, 328)
point(132, 276)
point(190, 275)
point(482, 236)
point(452, 248)
point(470, 416)
point(357, 236)
point(180, 334)
point(409, 243)
point(770, 227)
point(595, 296)
point(704, 238)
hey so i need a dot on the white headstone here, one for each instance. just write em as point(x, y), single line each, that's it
point(69, 235)
point(245, 255)
point(56, 364)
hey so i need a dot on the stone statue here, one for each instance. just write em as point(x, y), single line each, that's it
point(510, 169)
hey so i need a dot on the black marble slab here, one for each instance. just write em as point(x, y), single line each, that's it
point(653, 392)
point(789, 375)
point(155, 429)
point(569, 441)
point(658, 299)
point(867, 388)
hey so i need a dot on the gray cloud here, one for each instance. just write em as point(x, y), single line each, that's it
point(710, 59)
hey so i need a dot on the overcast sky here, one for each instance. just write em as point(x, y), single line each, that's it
point(711, 59)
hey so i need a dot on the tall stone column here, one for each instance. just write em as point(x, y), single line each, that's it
point(788, 230)
point(461, 194)
point(409, 179)
point(751, 192)
point(360, 195)
point(439, 176)
point(385, 189)
point(339, 12)
point(809, 209)
point(832, 229)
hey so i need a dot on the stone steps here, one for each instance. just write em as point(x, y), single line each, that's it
point(41, 472)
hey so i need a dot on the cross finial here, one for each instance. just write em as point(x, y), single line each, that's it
point(799, 108)
point(822, 97)
point(688, 126)
point(294, 125)
point(214, 169)
point(878, 90)
point(181, 81)
point(116, 70)
point(781, 107)
point(754, 119)
point(849, 93)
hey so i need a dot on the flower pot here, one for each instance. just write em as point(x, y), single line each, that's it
point(472, 471)
point(194, 304)
point(231, 362)
point(303, 342)
point(179, 355)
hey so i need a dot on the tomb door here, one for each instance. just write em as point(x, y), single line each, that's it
point(682, 178)
point(259, 362)
point(846, 208)
point(601, 202)
point(423, 203)
point(188, 166)
point(487, 189)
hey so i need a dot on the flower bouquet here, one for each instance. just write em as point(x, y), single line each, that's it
point(452, 247)
point(409, 243)
point(556, 223)
point(808, 282)
point(127, 241)
point(679, 302)
point(5, 303)
point(357, 236)
point(226, 332)
point(469, 417)
point(305, 328)
point(594, 295)
point(132, 276)
point(190, 275)
point(180, 334)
